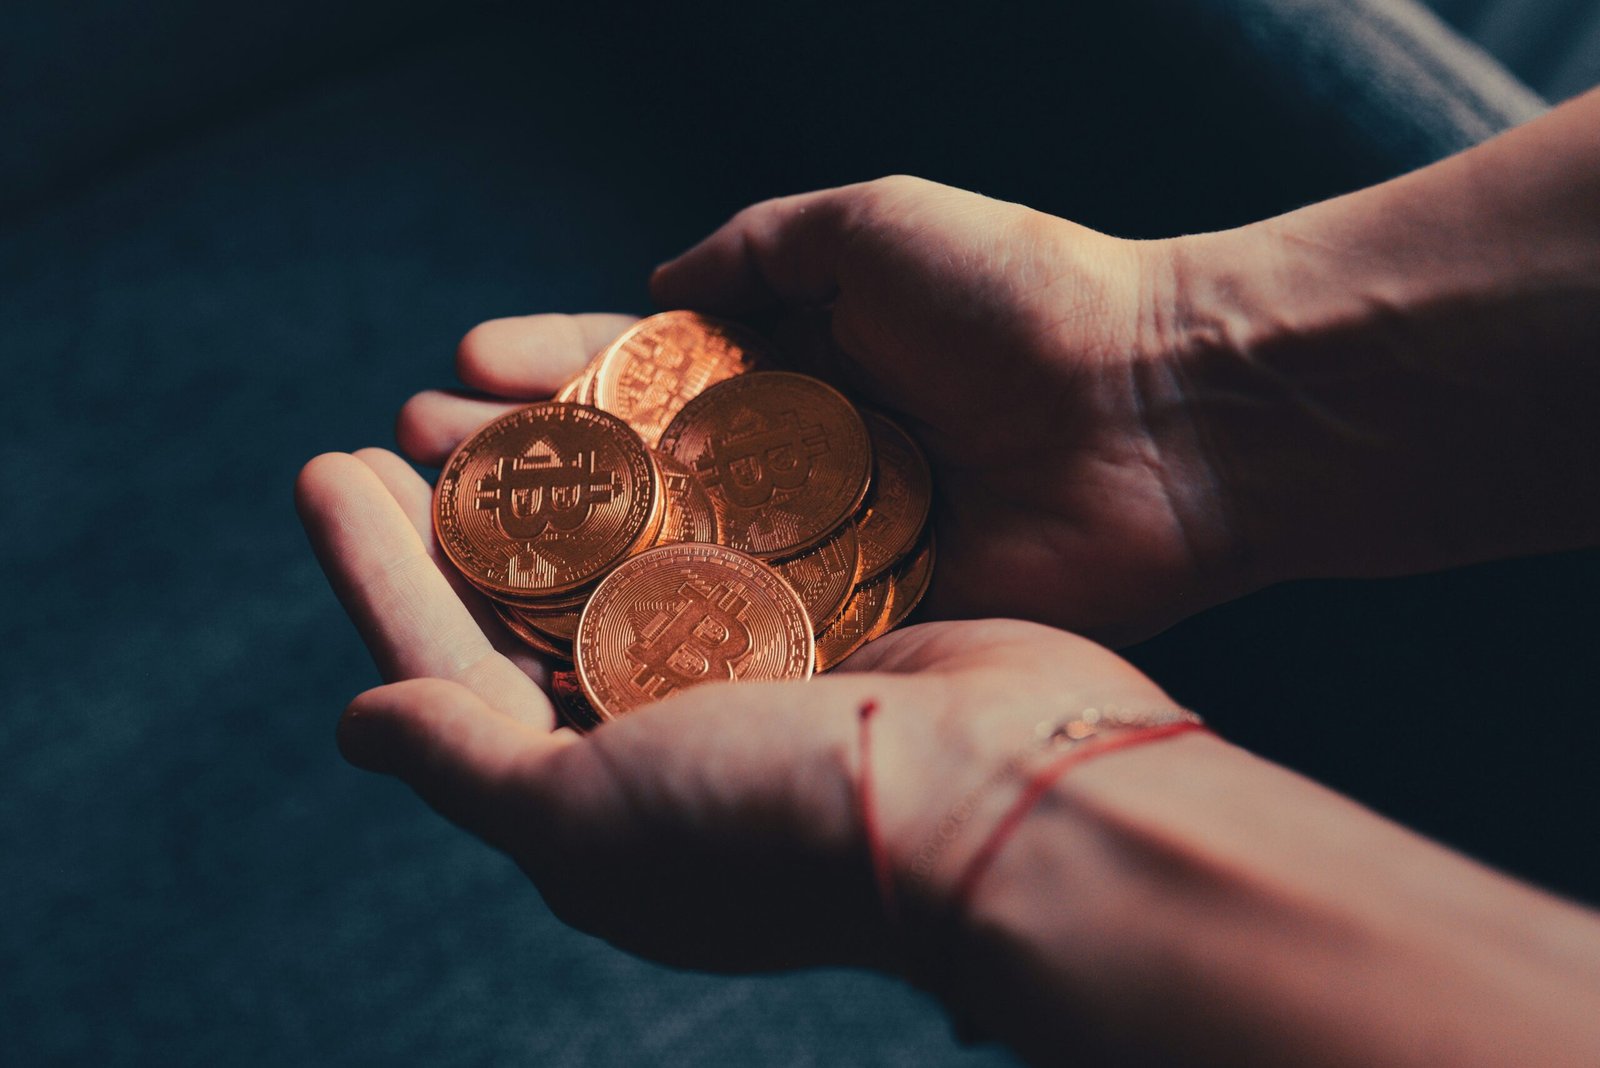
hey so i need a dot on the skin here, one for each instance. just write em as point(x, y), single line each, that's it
point(1123, 433)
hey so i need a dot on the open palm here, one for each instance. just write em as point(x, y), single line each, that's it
point(718, 828)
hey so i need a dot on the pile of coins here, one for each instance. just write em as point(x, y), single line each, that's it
point(676, 514)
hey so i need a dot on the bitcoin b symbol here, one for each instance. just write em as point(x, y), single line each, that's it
point(749, 467)
point(700, 641)
point(530, 494)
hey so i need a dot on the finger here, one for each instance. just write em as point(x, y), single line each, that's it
point(415, 497)
point(434, 422)
point(464, 758)
point(412, 621)
point(532, 356)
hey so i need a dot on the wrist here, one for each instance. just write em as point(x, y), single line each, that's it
point(1387, 384)
point(1075, 934)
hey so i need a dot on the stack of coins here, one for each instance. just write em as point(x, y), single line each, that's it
point(678, 515)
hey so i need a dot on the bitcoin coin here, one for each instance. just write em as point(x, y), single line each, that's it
point(679, 615)
point(543, 604)
point(688, 512)
point(854, 626)
point(648, 374)
point(571, 392)
point(786, 459)
point(908, 583)
point(825, 577)
point(571, 703)
point(896, 507)
point(560, 625)
point(545, 499)
point(528, 635)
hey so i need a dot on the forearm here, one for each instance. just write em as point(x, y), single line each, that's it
point(1186, 903)
point(1408, 377)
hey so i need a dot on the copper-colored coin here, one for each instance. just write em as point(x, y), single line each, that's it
point(561, 625)
point(785, 458)
point(854, 626)
point(689, 514)
point(545, 499)
point(680, 615)
point(908, 584)
point(896, 507)
point(586, 380)
point(825, 577)
point(648, 374)
point(528, 635)
point(574, 707)
point(543, 604)
point(571, 393)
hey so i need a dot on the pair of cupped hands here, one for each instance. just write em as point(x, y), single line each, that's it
point(720, 828)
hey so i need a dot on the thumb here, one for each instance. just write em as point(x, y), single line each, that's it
point(784, 252)
point(461, 756)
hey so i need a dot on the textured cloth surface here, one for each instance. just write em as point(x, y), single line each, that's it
point(197, 298)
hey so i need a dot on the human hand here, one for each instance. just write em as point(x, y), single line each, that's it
point(1025, 354)
point(718, 828)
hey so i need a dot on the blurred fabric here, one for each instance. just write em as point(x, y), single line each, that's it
point(1552, 45)
point(232, 237)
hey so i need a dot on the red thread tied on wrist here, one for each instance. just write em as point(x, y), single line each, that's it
point(1037, 787)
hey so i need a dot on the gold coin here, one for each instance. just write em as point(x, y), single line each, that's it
point(680, 615)
point(688, 512)
point(528, 635)
point(648, 374)
point(854, 626)
point(785, 457)
point(908, 584)
point(825, 577)
point(545, 499)
point(896, 507)
point(571, 703)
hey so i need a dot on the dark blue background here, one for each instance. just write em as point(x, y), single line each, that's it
point(232, 237)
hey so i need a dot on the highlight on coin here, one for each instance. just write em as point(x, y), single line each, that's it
point(681, 512)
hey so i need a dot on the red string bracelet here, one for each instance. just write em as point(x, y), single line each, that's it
point(1037, 787)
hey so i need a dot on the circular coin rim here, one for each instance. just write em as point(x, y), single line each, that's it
point(645, 536)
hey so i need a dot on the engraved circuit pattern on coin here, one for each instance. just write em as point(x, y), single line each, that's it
point(648, 374)
point(546, 499)
point(897, 504)
point(786, 459)
point(825, 577)
point(688, 512)
point(854, 626)
point(908, 584)
point(679, 615)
